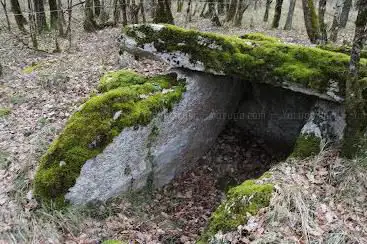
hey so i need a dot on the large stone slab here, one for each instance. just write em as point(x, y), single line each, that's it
point(152, 155)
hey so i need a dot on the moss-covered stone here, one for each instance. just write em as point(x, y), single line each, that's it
point(341, 49)
point(127, 99)
point(256, 60)
point(306, 145)
point(256, 36)
point(113, 242)
point(247, 198)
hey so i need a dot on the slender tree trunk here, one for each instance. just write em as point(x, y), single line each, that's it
point(334, 30)
point(19, 18)
point(220, 7)
point(356, 91)
point(32, 25)
point(68, 29)
point(267, 9)
point(60, 19)
point(124, 12)
point(39, 8)
point(163, 13)
point(89, 23)
point(289, 21)
point(277, 13)
point(242, 7)
point(53, 13)
point(134, 11)
point(188, 12)
point(142, 10)
point(97, 8)
point(311, 21)
point(180, 4)
point(3, 3)
point(211, 9)
point(215, 18)
point(231, 12)
point(322, 10)
point(345, 13)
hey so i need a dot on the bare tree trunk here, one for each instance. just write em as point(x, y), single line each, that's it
point(242, 7)
point(97, 8)
point(142, 10)
point(311, 21)
point(345, 13)
point(60, 19)
point(188, 12)
point(89, 23)
point(289, 21)
point(267, 9)
point(53, 13)
point(124, 12)
point(356, 91)
point(334, 30)
point(220, 7)
point(277, 13)
point(39, 9)
point(322, 10)
point(3, 3)
point(215, 18)
point(19, 18)
point(32, 25)
point(231, 10)
point(163, 13)
point(180, 4)
point(68, 29)
point(134, 11)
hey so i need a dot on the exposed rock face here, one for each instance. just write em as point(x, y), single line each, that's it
point(152, 155)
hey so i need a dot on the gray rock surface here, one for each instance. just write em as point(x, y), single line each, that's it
point(154, 154)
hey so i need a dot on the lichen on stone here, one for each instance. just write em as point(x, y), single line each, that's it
point(243, 200)
point(126, 99)
point(251, 59)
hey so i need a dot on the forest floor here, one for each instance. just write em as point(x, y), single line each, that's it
point(321, 199)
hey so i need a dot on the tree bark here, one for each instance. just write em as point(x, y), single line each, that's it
point(311, 21)
point(289, 21)
point(277, 13)
point(334, 30)
point(242, 7)
point(39, 8)
point(267, 9)
point(19, 18)
point(356, 92)
point(142, 10)
point(322, 10)
point(3, 3)
point(345, 13)
point(231, 10)
point(53, 13)
point(32, 25)
point(163, 12)
point(89, 23)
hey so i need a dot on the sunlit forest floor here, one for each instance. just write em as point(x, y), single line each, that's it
point(321, 199)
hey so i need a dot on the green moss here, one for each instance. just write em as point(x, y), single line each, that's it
point(263, 61)
point(342, 49)
point(306, 145)
point(113, 242)
point(30, 68)
point(92, 128)
point(247, 198)
point(259, 37)
point(4, 112)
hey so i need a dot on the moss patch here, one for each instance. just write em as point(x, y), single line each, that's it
point(306, 145)
point(4, 112)
point(342, 49)
point(247, 198)
point(251, 59)
point(256, 36)
point(30, 68)
point(127, 100)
